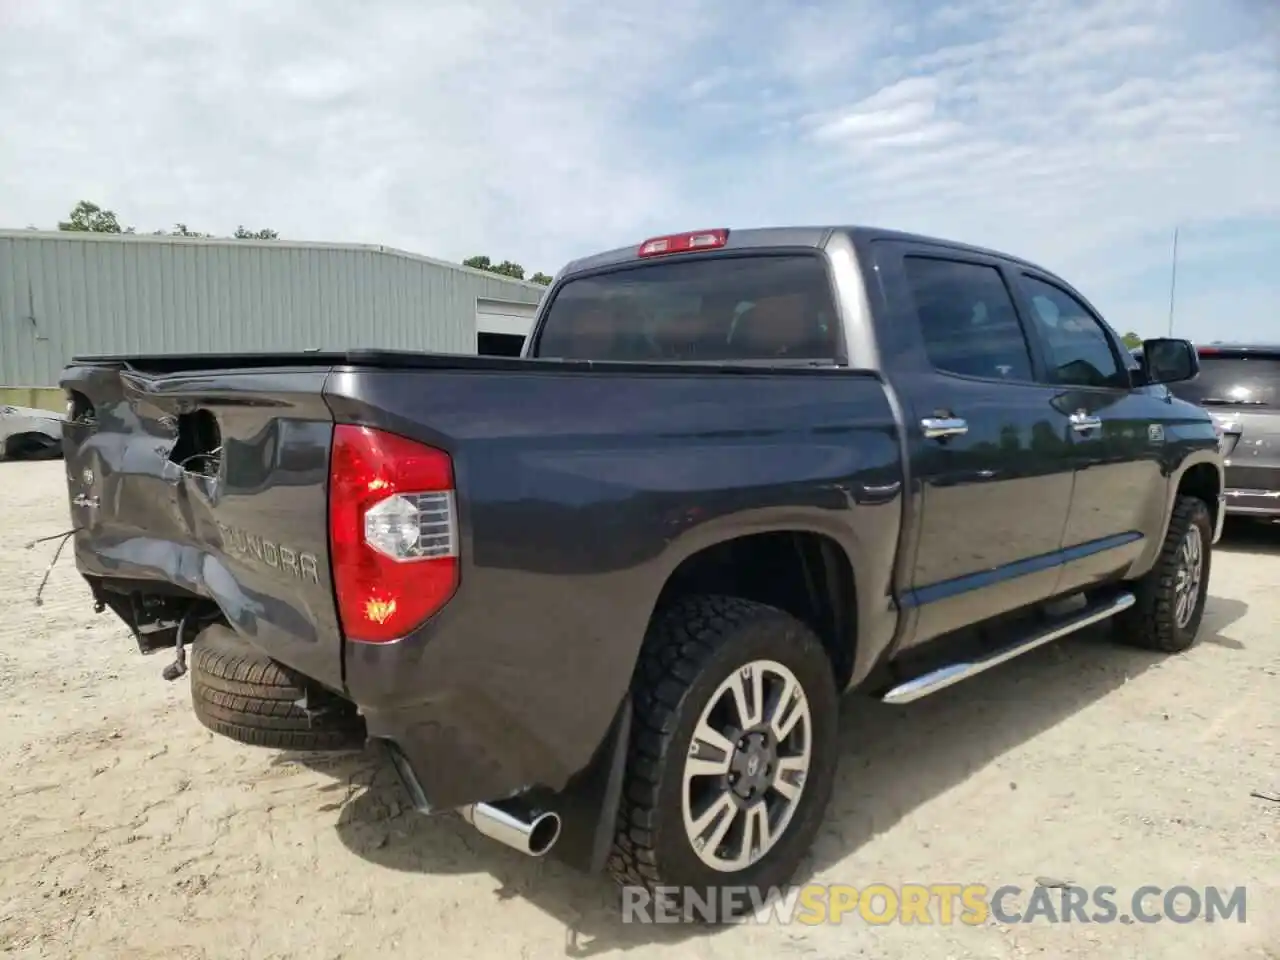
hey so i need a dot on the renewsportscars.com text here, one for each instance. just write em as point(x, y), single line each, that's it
point(934, 904)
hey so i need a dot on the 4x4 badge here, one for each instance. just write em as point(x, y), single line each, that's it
point(1155, 433)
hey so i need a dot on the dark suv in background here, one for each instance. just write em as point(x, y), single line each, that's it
point(1239, 384)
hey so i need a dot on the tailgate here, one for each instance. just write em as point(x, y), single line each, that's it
point(1240, 387)
point(214, 481)
point(1252, 449)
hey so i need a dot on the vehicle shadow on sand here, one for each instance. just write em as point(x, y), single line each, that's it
point(913, 754)
point(1243, 535)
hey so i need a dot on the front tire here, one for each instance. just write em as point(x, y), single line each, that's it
point(1171, 596)
point(733, 755)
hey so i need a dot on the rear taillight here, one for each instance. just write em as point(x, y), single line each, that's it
point(393, 532)
point(684, 242)
point(1228, 430)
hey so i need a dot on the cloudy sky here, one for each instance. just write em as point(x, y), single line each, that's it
point(1077, 133)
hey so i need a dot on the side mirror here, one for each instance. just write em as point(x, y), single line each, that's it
point(1169, 361)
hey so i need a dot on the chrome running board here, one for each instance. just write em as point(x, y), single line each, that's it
point(953, 673)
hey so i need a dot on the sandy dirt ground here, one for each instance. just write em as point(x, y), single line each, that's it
point(132, 832)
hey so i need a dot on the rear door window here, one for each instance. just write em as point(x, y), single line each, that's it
point(1234, 379)
point(967, 319)
point(765, 307)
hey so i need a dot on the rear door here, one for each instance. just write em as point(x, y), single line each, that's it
point(1240, 387)
point(1119, 434)
point(989, 447)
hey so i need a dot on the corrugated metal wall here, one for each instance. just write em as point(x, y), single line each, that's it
point(66, 294)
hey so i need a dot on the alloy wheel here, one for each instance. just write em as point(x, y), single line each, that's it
point(747, 764)
point(1186, 585)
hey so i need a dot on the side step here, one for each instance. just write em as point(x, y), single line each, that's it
point(952, 673)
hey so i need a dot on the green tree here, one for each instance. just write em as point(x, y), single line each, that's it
point(181, 230)
point(506, 269)
point(1131, 340)
point(88, 217)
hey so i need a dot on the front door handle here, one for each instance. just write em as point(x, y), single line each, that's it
point(1082, 422)
point(935, 428)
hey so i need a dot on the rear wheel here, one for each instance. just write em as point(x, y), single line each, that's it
point(734, 752)
point(1171, 596)
point(243, 694)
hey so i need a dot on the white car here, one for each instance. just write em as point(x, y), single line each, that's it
point(30, 433)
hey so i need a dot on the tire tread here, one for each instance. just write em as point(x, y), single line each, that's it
point(1151, 622)
point(243, 694)
point(681, 641)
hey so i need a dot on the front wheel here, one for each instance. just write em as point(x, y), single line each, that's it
point(1171, 596)
point(733, 755)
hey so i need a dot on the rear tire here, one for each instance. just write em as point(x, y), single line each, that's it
point(699, 658)
point(1171, 596)
point(239, 692)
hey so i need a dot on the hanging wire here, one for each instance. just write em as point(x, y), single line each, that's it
point(179, 666)
point(207, 455)
point(63, 537)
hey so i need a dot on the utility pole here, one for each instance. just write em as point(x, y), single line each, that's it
point(1173, 279)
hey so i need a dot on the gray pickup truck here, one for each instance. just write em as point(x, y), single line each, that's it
point(602, 599)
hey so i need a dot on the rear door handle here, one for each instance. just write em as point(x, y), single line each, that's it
point(935, 428)
point(1081, 422)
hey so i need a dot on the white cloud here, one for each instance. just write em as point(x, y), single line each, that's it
point(1072, 139)
point(900, 109)
point(1075, 132)
point(447, 128)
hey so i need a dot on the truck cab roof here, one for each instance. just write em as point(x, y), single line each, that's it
point(794, 236)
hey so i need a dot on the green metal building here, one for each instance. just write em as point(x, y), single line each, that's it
point(63, 294)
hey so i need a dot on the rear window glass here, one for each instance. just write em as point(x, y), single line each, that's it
point(968, 319)
point(1234, 380)
point(727, 308)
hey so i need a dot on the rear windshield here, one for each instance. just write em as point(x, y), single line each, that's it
point(1225, 380)
point(724, 308)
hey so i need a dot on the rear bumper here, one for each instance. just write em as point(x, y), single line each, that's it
point(479, 718)
point(461, 750)
point(1257, 503)
point(587, 806)
point(1251, 489)
point(501, 697)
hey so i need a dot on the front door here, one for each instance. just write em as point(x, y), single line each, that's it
point(989, 451)
point(1118, 434)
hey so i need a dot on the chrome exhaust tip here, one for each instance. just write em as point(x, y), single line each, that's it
point(532, 833)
